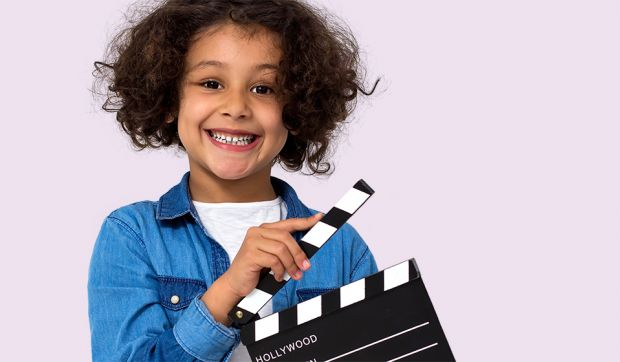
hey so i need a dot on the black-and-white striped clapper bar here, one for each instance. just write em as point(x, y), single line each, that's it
point(246, 310)
point(387, 316)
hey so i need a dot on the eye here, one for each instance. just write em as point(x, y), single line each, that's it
point(261, 88)
point(211, 84)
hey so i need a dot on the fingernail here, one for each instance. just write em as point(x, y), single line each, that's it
point(297, 274)
point(306, 264)
point(319, 214)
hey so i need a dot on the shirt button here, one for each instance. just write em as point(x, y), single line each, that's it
point(174, 299)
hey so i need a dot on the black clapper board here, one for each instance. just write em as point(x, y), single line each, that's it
point(387, 316)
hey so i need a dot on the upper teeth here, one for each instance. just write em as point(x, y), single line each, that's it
point(236, 139)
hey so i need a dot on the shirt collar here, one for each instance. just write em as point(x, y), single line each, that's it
point(177, 201)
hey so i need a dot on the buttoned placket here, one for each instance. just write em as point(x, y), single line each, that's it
point(219, 253)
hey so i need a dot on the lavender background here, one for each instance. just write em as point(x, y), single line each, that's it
point(493, 144)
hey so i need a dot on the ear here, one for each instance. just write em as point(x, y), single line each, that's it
point(170, 118)
point(292, 131)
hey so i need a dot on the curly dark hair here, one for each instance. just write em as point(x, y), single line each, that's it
point(318, 76)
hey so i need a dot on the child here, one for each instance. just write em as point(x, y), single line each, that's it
point(238, 85)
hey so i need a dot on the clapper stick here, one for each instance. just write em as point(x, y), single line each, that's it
point(246, 310)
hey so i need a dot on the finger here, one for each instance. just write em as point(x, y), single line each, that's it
point(268, 260)
point(294, 224)
point(282, 251)
point(299, 258)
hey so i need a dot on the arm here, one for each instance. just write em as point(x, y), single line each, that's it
point(219, 299)
point(126, 320)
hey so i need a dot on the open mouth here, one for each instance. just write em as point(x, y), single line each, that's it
point(235, 140)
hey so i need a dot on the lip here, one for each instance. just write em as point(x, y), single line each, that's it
point(233, 148)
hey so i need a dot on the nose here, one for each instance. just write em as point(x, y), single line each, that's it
point(236, 105)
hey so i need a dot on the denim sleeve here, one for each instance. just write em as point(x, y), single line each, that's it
point(363, 262)
point(127, 322)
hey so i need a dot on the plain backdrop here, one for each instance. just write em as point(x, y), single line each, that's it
point(492, 142)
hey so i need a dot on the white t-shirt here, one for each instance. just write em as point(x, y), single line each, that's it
point(228, 222)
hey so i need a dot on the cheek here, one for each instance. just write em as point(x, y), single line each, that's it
point(275, 126)
point(192, 113)
point(280, 134)
point(183, 124)
point(282, 141)
point(193, 110)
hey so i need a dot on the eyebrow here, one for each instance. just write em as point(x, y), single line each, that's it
point(216, 63)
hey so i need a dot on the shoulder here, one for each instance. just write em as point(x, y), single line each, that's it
point(136, 217)
point(123, 236)
point(135, 212)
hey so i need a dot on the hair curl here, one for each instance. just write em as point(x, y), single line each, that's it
point(319, 73)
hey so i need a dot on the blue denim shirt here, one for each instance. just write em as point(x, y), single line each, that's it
point(149, 251)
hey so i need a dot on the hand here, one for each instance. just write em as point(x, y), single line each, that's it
point(269, 245)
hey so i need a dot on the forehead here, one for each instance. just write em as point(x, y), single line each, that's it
point(232, 44)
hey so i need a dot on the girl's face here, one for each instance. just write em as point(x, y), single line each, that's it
point(228, 92)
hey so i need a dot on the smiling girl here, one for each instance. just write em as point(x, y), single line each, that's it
point(238, 86)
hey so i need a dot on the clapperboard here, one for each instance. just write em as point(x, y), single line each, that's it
point(387, 316)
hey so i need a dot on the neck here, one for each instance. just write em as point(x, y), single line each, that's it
point(205, 186)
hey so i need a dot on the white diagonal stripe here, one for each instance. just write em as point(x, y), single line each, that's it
point(254, 301)
point(309, 310)
point(267, 326)
point(352, 200)
point(319, 234)
point(352, 293)
point(396, 275)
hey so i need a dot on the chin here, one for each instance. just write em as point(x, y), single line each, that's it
point(232, 178)
point(231, 175)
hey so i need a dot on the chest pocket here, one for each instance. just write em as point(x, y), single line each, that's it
point(176, 293)
point(304, 294)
